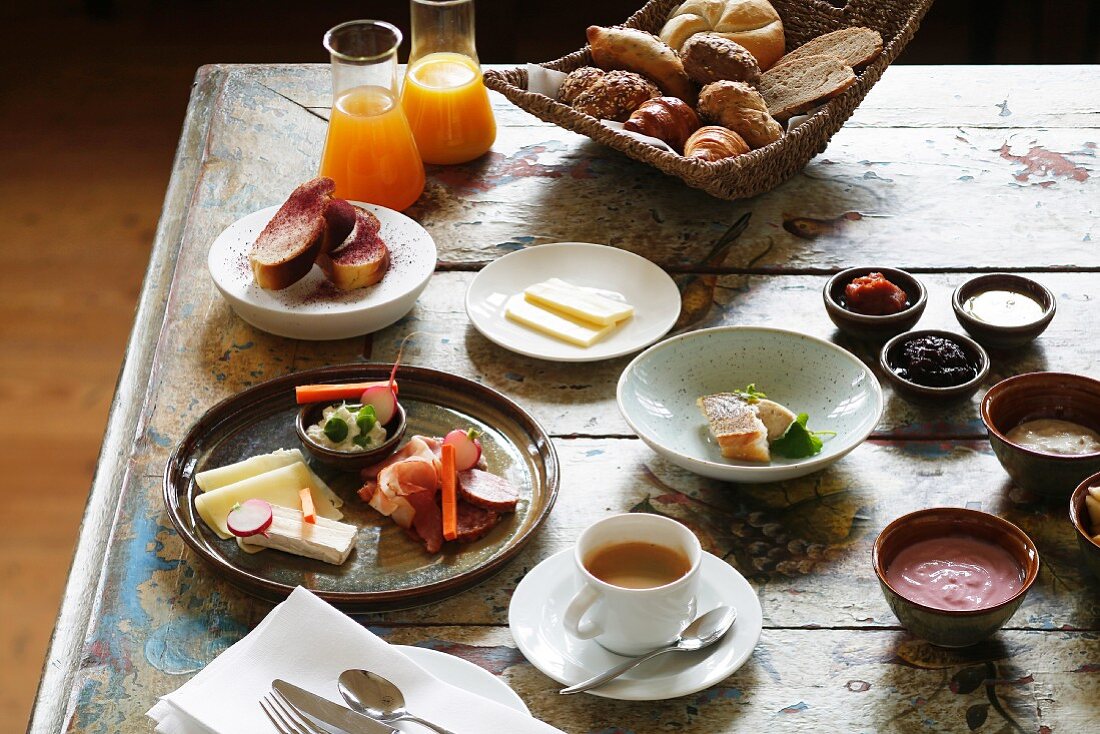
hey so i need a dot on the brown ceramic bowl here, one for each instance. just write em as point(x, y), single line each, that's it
point(1087, 530)
point(349, 461)
point(1003, 337)
point(948, 628)
point(866, 326)
point(913, 390)
point(1042, 395)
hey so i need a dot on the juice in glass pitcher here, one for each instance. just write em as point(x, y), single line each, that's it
point(444, 97)
point(370, 152)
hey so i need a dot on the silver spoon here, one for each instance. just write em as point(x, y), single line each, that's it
point(372, 695)
point(703, 632)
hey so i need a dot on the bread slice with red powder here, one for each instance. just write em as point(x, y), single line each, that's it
point(361, 259)
point(290, 243)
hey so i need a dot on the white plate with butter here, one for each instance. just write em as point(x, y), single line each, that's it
point(595, 271)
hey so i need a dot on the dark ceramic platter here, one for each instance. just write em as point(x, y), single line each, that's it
point(386, 570)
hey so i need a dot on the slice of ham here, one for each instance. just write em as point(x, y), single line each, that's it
point(487, 490)
point(427, 519)
point(421, 447)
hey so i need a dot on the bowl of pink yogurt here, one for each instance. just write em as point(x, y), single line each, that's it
point(954, 576)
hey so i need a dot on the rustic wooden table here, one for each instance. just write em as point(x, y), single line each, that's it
point(944, 171)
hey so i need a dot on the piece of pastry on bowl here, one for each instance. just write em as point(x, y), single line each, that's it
point(740, 108)
point(643, 53)
point(752, 23)
point(714, 143)
point(614, 95)
point(710, 58)
point(666, 118)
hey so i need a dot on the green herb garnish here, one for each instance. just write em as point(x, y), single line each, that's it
point(750, 394)
point(366, 419)
point(799, 442)
point(336, 429)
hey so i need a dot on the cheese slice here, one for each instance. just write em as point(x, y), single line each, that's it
point(223, 476)
point(326, 540)
point(579, 302)
point(559, 326)
point(278, 486)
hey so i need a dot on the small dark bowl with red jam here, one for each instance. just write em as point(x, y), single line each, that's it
point(931, 365)
point(1003, 310)
point(874, 303)
point(1088, 531)
point(935, 608)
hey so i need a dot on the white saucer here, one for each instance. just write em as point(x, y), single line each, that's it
point(654, 295)
point(313, 308)
point(535, 618)
point(465, 675)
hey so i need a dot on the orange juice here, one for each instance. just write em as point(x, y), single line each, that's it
point(370, 152)
point(447, 106)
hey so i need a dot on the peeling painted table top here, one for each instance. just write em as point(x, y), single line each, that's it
point(945, 171)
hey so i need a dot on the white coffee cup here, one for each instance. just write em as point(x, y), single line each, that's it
point(632, 621)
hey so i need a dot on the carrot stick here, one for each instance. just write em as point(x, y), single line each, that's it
point(450, 493)
point(309, 514)
point(322, 393)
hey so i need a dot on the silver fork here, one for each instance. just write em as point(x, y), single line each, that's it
point(285, 717)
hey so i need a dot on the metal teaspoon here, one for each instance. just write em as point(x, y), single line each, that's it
point(372, 695)
point(703, 632)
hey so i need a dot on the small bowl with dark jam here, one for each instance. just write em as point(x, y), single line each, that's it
point(934, 365)
point(874, 303)
point(1002, 310)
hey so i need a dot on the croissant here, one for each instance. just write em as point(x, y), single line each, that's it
point(713, 143)
point(667, 118)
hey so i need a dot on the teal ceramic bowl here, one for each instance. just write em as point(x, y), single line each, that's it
point(953, 628)
point(657, 395)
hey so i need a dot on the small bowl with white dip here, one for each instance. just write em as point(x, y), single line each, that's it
point(1003, 310)
point(954, 576)
point(1044, 428)
point(351, 449)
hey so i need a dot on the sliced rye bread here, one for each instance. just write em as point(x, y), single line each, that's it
point(290, 243)
point(362, 258)
point(794, 87)
point(856, 47)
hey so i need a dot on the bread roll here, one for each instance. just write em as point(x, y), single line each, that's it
point(752, 23)
point(643, 53)
point(615, 95)
point(710, 58)
point(740, 108)
point(577, 82)
point(667, 118)
point(714, 143)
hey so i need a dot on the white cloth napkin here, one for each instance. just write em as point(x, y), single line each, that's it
point(309, 643)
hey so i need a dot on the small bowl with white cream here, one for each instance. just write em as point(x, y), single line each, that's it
point(1002, 310)
point(1044, 428)
point(348, 436)
point(954, 576)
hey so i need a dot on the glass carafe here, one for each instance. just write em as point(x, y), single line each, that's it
point(370, 152)
point(443, 95)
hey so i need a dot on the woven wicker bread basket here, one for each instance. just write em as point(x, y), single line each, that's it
point(763, 169)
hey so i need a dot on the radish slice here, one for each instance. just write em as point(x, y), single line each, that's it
point(467, 447)
point(384, 401)
point(250, 517)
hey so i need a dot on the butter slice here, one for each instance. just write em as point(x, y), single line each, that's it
point(582, 303)
point(326, 540)
point(559, 326)
point(278, 486)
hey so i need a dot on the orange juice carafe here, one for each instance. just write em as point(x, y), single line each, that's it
point(370, 151)
point(444, 97)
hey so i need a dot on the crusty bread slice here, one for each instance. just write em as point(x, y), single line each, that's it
point(856, 47)
point(736, 427)
point(290, 243)
point(363, 258)
point(796, 86)
point(340, 220)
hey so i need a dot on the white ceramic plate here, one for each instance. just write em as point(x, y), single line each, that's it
point(465, 675)
point(535, 618)
point(655, 298)
point(658, 390)
point(313, 308)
